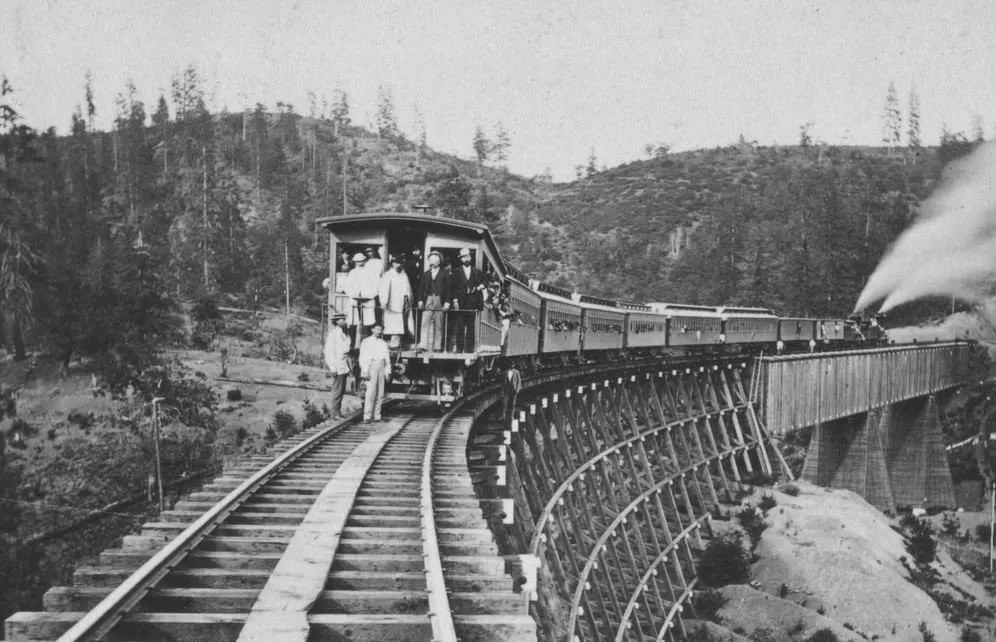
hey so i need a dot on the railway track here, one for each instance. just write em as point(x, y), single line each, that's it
point(360, 532)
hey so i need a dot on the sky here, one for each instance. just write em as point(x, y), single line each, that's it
point(564, 77)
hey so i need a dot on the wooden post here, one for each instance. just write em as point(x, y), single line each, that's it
point(159, 461)
point(286, 278)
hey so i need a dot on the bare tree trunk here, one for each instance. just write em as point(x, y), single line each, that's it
point(20, 354)
point(205, 217)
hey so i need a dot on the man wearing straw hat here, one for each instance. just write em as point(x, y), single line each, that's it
point(336, 352)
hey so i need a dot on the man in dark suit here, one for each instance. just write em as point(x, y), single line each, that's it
point(468, 285)
point(433, 298)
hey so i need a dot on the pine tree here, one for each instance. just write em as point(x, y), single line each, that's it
point(978, 128)
point(592, 168)
point(892, 119)
point(340, 110)
point(502, 143)
point(482, 147)
point(387, 123)
point(913, 130)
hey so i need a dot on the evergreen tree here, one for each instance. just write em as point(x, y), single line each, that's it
point(892, 119)
point(387, 123)
point(913, 131)
point(340, 110)
point(978, 128)
point(482, 147)
point(592, 168)
point(501, 145)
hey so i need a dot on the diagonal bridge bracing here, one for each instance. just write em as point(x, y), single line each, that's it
point(613, 485)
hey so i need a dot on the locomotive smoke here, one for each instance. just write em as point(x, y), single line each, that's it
point(951, 249)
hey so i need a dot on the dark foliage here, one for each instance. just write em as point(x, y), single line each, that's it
point(983, 533)
point(313, 416)
point(968, 634)
point(767, 502)
point(922, 546)
point(753, 523)
point(724, 561)
point(234, 394)
point(707, 604)
point(790, 489)
point(284, 424)
point(823, 635)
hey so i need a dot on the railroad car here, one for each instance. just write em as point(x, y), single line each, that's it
point(645, 329)
point(603, 324)
point(748, 325)
point(526, 323)
point(796, 330)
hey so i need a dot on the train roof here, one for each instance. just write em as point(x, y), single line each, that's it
point(472, 231)
point(743, 310)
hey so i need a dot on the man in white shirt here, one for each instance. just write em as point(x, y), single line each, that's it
point(361, 286)
point(395, 300)
point(375, 369)
point(336, 351)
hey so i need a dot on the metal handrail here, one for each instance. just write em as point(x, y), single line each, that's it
point(611, 529)
point(99, 621)
point(603, 456)
point(652, 571)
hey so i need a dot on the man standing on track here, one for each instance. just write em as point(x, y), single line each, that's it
point(336, 351)
point(375, 369)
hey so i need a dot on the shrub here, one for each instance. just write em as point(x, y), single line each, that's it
point(707, 604)
point(234, 394)
point(922, 545)
point(950, 524)
point(83, 420)
point(303, 377)
point(926, 633)
point(823, 635)
point(982, 533)
point(752, 523)
point(312, 415)
point(968, 634)
point(908, 521)
point(783, 590)
point(791, 490)
point(724, 561)
point(284, 424)
point(767, 502)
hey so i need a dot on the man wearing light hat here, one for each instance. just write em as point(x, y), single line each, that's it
point(468, 285)
point(336, 351)
point(433, 298)
point(361, 286)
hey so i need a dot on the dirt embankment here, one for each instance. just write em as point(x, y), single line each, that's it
point(830, 560)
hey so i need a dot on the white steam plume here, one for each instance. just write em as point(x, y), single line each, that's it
point(951, 249)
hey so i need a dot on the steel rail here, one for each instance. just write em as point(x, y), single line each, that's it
point(440, 616)
point(652, 572)
point(678, 607)
point(99, 620)
point(610, 530)
point(566, 485)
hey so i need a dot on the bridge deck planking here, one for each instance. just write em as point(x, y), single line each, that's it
point(280, 612)
point(805, 390)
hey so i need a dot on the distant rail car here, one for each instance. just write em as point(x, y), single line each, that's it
point(448, 350)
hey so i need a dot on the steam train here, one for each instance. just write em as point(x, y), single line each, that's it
point(532, 325)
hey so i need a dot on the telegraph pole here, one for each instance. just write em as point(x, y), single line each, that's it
point(159, 462)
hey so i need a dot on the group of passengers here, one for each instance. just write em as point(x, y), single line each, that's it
point(446, 300)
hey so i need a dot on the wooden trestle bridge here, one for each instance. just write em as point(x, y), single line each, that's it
point(577, 515)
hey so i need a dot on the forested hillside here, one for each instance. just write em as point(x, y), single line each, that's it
point(104, 232)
